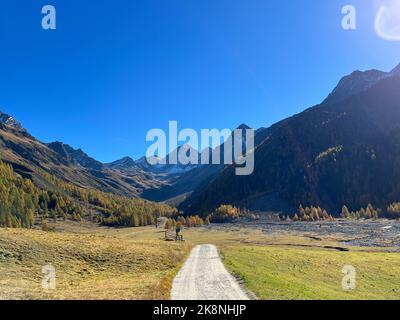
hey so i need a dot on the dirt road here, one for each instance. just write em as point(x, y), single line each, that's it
point(204, 277)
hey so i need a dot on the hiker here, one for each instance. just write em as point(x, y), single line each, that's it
point(178, 229)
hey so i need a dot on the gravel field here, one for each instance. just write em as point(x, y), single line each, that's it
point(362, 233)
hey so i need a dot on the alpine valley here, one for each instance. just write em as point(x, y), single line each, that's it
point(345, 150)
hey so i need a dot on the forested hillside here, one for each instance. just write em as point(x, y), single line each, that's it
point(344, 151)
point(22, 204)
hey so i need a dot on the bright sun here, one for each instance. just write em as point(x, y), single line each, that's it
point(387, 21)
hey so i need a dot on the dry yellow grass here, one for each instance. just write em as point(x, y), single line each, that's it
point(94, 262)
point(89, 265)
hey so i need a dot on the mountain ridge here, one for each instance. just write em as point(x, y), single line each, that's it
point(295, 157)
point(321, 156)
point(359, 81)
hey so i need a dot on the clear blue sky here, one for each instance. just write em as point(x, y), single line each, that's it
point(115, 69)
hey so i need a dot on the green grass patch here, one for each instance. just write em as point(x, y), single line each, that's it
point(282, 273)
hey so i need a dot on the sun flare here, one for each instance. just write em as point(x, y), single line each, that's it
point(387, 21)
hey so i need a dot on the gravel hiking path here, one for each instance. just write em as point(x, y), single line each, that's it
point(204, 277)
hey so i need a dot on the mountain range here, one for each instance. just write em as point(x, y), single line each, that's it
point(345, 150)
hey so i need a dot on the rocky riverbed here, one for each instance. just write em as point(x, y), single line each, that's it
point(362, 233)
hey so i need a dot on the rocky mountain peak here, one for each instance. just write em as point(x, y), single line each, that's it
point(10, 121)
point(358, 81)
